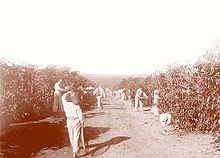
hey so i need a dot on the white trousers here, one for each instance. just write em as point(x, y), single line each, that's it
point(99, 99)
point(73, 126)
point(155, 110)
point(138, 102)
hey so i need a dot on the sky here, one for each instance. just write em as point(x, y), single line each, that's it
point(108, 37)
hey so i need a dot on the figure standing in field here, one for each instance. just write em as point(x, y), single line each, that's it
point(57, 104)
point(104, 94)
point(74, 118)
point(119, 93)
point(156, 98)
point(129, 95)
point(129, 98)
point(123, 94)
point(139, 97)
point(116, 94)
point(99, 93)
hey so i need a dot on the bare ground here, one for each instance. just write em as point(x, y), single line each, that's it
point(121, 132)
point(115, 131)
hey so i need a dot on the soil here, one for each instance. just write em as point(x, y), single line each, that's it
point(114, 131)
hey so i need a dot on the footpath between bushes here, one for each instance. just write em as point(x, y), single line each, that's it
point(118, 131)
point(114, 131)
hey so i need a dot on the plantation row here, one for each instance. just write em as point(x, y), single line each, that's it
point(26, 92)
point(190, 93)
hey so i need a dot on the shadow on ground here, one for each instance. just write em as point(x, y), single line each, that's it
point(93, 114)
point(106, 104)
point(115, 108)
point(101, 148)
point(26, 140)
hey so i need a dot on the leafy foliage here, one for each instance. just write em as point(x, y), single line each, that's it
point(190, 93)
point(26, 92)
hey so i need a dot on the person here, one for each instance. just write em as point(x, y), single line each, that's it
point(57, 104)
point(119, 93)
point(74, 118)
point(129, 98)
point(123, 94)
point(140, 95)
point(104, 94)
point(99, 93)
point(129, 94)
point(156, 98)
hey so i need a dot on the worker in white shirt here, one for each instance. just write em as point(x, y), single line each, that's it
point(104, 94)
point(123, 94)
point(99, 93)
point(129, 94)
point(74, 118)
point(129, 98)
point(57, 104)
point(156, 98)
point(139, 97)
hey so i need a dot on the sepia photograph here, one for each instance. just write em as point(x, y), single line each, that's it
point(110, 79)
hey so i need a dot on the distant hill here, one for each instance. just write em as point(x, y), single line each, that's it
point(110, 80)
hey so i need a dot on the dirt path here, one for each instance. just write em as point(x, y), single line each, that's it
point(119, 132)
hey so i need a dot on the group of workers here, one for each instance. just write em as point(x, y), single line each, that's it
point(139, 98)
point(125, 94)
point(69, 100)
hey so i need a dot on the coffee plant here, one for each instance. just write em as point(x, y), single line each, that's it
point(26, 92)
point(191, 94)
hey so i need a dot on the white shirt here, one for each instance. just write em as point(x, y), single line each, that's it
point(71, 110)
point(100, 91)
point(57, 88)
point(156, 99)
point(140, 94)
